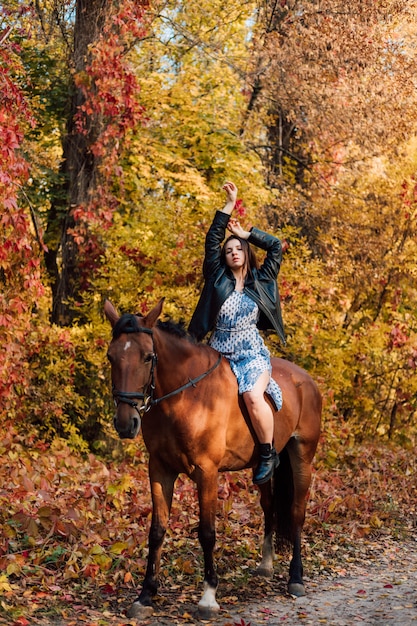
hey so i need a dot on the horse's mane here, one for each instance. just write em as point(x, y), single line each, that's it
point(175, 328)
point(129, 323)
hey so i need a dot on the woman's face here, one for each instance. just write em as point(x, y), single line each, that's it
point(234, 255)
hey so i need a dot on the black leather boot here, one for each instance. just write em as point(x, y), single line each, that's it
point(268, 461)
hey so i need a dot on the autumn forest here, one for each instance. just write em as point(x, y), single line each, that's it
point(120, 121)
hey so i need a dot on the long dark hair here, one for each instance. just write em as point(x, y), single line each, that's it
point(251, 261)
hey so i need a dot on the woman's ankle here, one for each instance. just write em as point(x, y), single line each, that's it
point(265, 449)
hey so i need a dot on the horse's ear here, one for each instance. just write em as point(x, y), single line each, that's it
point(110, 312)
point(153, 315)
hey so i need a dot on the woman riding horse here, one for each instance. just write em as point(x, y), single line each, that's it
point(167, 385)
point(238, 298)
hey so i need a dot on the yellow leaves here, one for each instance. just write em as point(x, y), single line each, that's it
point(375, 521)
point(331, 458)
point(100, 557)
point(121, 486)
point(5, 586)
point(118, 547)
point(13, 568)
point(186, 566)
point(26, 523)
point(334, 504)
point(13, 456)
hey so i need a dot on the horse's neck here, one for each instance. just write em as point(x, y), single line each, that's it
point(177, 357)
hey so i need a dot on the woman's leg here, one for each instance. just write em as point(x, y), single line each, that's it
point(259, 410)
point(262, 419)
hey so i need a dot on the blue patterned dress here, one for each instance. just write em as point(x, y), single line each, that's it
point(237, 337)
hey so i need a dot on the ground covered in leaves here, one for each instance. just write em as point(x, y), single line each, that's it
point(73, 536)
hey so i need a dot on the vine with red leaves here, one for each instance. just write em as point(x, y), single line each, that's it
point(111, 104)
point(20, 269)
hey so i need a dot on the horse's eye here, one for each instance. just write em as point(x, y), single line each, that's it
point(148, 357)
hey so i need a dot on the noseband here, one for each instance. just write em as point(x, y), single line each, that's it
point(146, 398)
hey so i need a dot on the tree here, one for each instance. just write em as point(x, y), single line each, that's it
point(43, 371)
point(93, 68)
point(328, 81)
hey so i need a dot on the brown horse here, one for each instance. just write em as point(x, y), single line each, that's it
point(194, 422)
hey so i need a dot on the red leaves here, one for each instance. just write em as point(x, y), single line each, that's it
point(109, 84)
point(60, 517)
point(412, 360)
point(20, 270)
point(110, 109)
point(285, 245)
point(398, 336)
point(239, 208)
point(266, 612)
point(21, 621)
point(136, 255)
point(69, 520)
point(408, 196)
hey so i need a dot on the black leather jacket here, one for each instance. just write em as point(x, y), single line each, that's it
point(261, 286)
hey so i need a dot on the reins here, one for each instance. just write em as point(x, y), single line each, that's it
point(147, 396)
point(192, 382)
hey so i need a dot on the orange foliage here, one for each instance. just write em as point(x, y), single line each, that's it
point(75, 528)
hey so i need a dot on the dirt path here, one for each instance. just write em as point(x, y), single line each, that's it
point(381, 591)
point(380, 596)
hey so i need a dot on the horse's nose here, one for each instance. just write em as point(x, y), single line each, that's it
point(127, 430)
point(135, 425)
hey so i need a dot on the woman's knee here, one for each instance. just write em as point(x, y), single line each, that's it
point(255, 397)
point(251, 400)
point(254, 400)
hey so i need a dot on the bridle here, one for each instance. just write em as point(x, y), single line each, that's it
point(134, 398)
point(143, 401)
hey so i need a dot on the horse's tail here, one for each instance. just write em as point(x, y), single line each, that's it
point(283, 497)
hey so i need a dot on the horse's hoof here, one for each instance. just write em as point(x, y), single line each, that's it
point(139, 610)
point(297, 590)
point(208, 612)
point(265, 572)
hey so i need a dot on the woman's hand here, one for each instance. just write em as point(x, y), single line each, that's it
point(236, 229)
point(231, 192)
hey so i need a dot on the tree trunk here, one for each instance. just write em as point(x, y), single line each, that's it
point(78, 170)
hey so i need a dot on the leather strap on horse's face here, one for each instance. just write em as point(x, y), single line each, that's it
point(146, 396)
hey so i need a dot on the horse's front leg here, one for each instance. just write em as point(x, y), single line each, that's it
point(162, 487)
point(207, 485)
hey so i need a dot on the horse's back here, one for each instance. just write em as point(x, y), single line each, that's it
point(300, 415)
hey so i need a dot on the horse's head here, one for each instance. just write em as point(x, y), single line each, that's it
point(132, 359)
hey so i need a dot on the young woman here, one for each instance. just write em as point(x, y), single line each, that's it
point(237, 300)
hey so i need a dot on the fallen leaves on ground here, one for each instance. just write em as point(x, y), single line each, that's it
point(74, 530)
